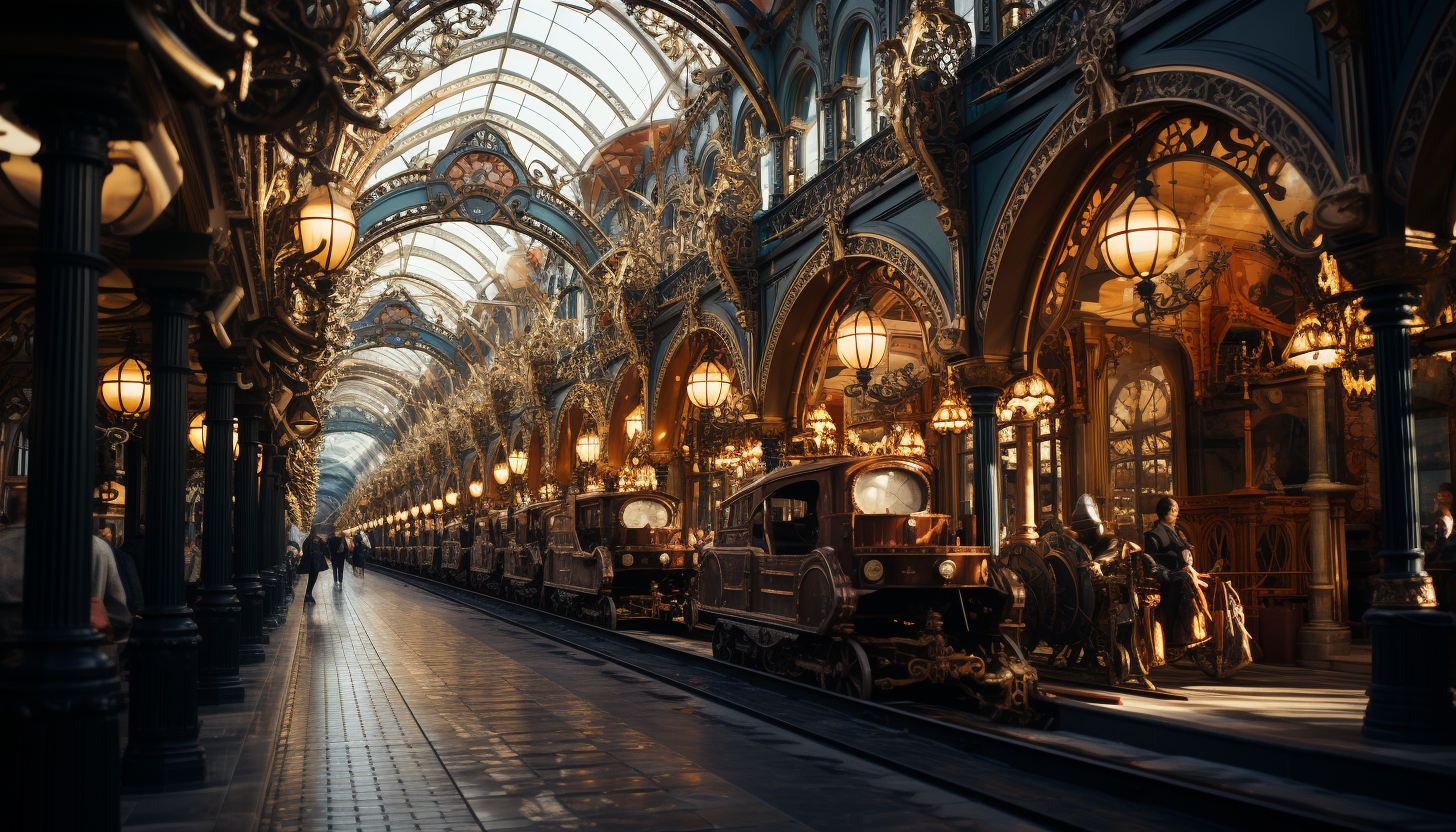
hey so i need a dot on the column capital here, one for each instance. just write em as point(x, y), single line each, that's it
point(1393, 261)
point(985, 372)
point(222, 363)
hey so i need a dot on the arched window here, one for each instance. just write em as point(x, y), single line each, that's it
point(1140, 441)
point(20, 456)
point(805, 150)
point(861, 65)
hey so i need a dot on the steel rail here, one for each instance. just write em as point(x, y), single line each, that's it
point(1122, 782)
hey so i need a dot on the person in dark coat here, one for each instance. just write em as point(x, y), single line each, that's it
point(1182, 611)
point(339, 554)
point(315, 560)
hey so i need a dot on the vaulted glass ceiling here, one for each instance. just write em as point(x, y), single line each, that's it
point(562, 81)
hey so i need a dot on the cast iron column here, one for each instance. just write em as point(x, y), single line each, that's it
point(245, 531)
point(59, 692)
point(1410, 696)
point(268, 549)
point(162, 749)
point(218, 609)
point(1025, 528)
point(986, 461)
point(1321, 638)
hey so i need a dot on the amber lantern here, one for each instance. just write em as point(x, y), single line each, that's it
point(502, 473)
point(1027, 398)
point(303, 417)
point(517, 460)
point(952, 416)
point(197, 434)
point(437, 504)
point(1314, 344)
point(708, 385)
point(589, 445)
point(452, 497)
point(633, 423)
point(326, 227)
point(1143, 236)
point(126, 388)
point(861, 339)
point(414, 511)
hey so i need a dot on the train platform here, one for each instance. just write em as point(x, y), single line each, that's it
point(397, 705)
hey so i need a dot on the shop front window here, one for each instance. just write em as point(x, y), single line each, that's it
point(1140, 433)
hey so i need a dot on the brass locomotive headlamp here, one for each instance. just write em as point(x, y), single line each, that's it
point(665, 558)
point(947, 569)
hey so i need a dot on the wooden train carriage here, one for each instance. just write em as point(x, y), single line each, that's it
point(433, 537)
point(620, 556)
point(523, 549)
point(450, 548)
point(837, 569)
point(490, 532)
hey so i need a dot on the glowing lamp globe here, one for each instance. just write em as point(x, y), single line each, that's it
point(1142, 237)
point(1314, 345)
point(501, 473)
point(589, 446)
point(861, 338)
point(452, 497)
point(517, 460)
point(126, 388)
point(197, 434)
point(437, 504)
point(326, 227)
point(708, 385)
point(1027, 398)
point(477, 488)
point(952, 416)
point(303, 417)
point(633, 423)
point(414, 511)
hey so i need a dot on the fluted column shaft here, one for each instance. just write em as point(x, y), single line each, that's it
point(219, 610)
point(268, 537)
point(1410, 697)
point(162, 749)
point(245, 531)
point(986, 462)
point(59, 694)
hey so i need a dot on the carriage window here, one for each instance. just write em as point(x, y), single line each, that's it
point(794, 524)
point(783, 509)
point(644, 514)
point(589, 516)
point(889, 491)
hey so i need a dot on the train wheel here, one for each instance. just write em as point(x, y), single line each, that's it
point(851, 670)
point(608, 609)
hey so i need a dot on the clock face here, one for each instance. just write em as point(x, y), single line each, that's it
point(889, 491)
point(645, 514)
point(480, 169)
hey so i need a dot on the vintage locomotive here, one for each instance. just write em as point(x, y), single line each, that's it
point(835, 571)
point(614, 557)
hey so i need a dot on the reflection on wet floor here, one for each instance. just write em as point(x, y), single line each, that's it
point(409, 712)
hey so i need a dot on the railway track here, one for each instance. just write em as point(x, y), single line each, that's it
point(1046, 778)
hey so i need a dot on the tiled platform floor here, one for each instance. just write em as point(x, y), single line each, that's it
point(409, 712)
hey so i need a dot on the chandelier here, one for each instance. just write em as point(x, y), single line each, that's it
point(589, 445)
point(1315, 343)
point(517, 462)
point(1027, 398)
point(952, 416)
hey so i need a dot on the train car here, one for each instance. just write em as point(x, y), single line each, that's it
point(490, 532)
point(523, 548)
point(430, 553)
point(450, 550)
point(616, 557)
point(836, 571)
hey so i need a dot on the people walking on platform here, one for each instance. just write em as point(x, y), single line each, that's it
point(338, 553)
point(361, 553)
point(315, 560)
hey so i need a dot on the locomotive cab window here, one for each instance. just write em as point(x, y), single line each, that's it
point(889, 491)
point(646, 514)
point(793, 519)
point(589, 525)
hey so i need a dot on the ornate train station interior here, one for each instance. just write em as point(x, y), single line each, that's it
point(727, 414)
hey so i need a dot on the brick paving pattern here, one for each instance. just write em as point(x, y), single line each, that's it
point(409, 712)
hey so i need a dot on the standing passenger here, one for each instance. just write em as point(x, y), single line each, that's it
point(314, 562)
point(338, 553)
